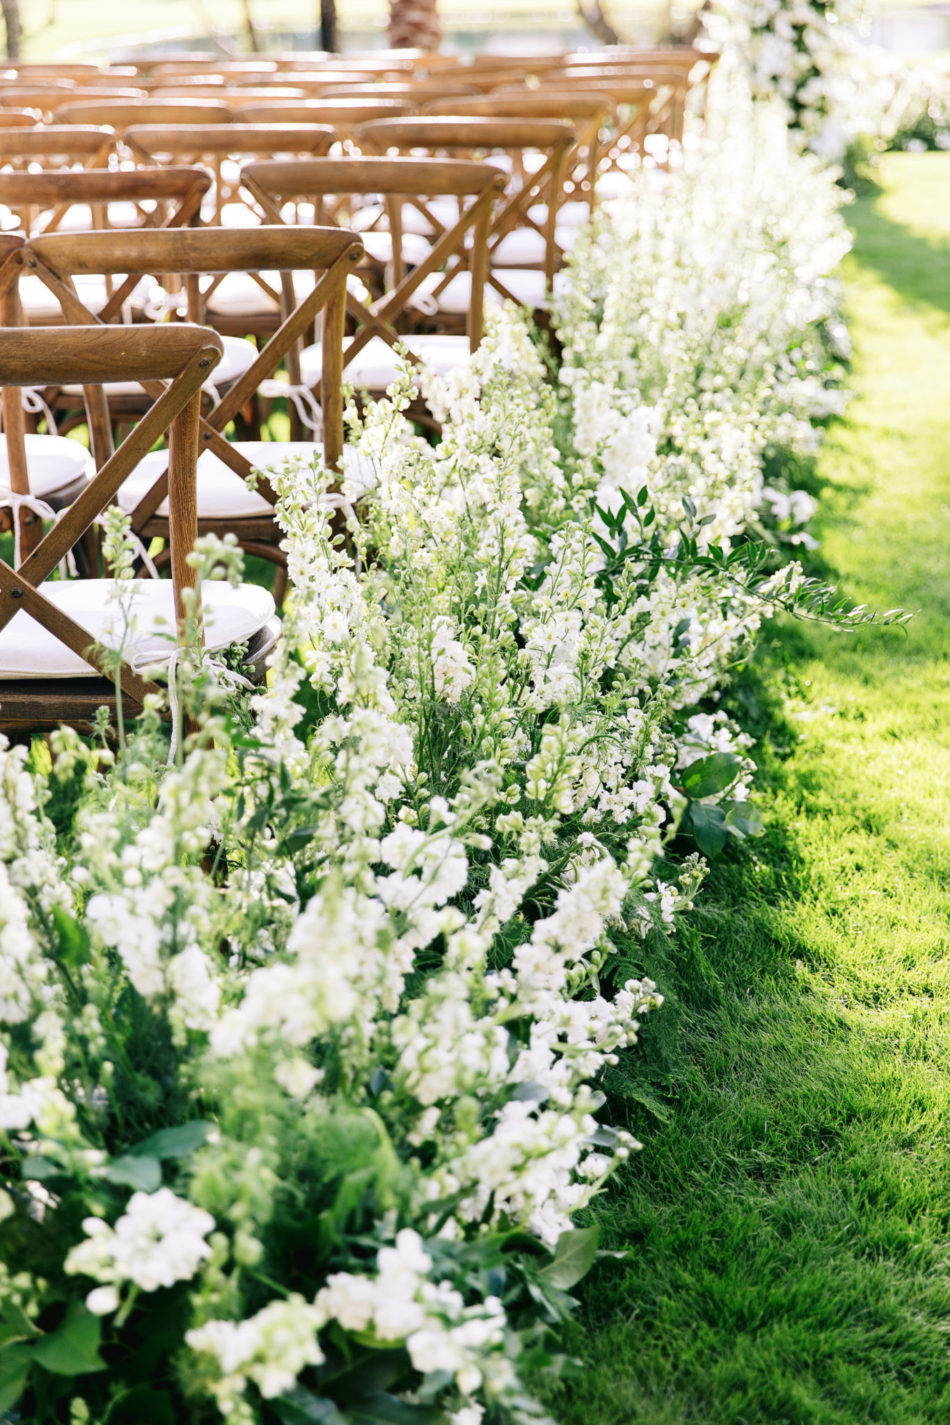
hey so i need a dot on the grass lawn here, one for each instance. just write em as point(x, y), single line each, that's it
point(787, 1222)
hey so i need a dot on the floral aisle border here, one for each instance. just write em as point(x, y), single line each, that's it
point(300, 1037)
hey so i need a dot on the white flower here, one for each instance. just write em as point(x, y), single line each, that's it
point(269, 1349)
point(159, 1240)
point(103, 1300)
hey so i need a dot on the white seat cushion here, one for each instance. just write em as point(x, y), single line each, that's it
point(379, 246)
point(223, 494)
point(28, 650)
point(120, 214)
point(527, 286)
point(52, 461)
point(40, 306)
point(375, 368)
point(522, 248)
point(238, 294)
point(455, 299)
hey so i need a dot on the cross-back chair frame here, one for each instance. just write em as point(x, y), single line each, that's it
point(179, 359)
point(216, 145)
point(191, 253)
point(276, 183)
point(482, 136)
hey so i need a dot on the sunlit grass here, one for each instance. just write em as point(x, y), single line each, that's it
point(786, 1225)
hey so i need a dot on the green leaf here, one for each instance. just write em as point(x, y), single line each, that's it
point(144, 1174)
point(15, 1364)
point(363, 1373)
point(302, 1407)
point(388, 1410)
point(175, 1142)
point(72, 944)
point(73, 1348)
point(37, 1170)
point(15, 1325)
point(709, 775)
point(742, 819)
point(143, 1406)
point(528, 1092)
point(573, 1258)
point(708, 826)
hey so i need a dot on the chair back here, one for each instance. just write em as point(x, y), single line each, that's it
point(586, 111)
point(120, 114)
point(536, 152)
point(647, 100)
point(56, 146)
point(180, 358)
point(201, 257)
point(222, 148)
point(458, 244)
point(42, 200)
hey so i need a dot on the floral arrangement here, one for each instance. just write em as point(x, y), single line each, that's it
point(301, 1034)
point(801, 53)
point(906, 103)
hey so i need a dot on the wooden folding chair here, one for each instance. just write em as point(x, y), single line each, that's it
point(586, 112)
point(456, 247)
point(223, 148)
point(534, 153)
point(68, 647)
point(56, 146)
point(344, 116)
point(232, 496)
point(414, 91)
point(96, 199)
point(152, 197)
point(120, 114)
point(648, 101)
point(240, 305)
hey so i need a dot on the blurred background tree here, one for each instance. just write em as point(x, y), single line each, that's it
point(13, 26)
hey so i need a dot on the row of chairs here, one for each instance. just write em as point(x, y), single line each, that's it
point(152, 253)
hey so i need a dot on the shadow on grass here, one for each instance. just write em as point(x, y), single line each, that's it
point(914, 266)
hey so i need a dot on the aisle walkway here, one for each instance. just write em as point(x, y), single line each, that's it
point(787, 1226)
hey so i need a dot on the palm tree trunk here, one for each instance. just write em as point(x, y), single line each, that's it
point(11, 19)
point(329, 30)
point(414, 24)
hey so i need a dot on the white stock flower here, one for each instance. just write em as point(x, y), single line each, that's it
point(159, 1240)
